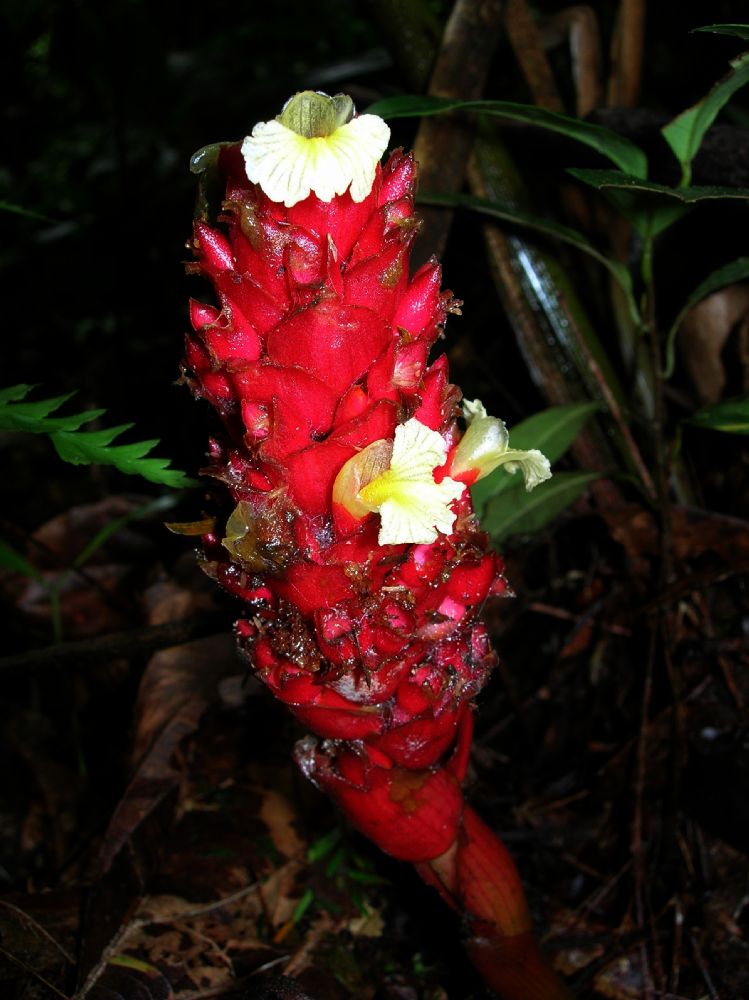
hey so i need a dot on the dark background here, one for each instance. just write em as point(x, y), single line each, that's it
point(103, 104)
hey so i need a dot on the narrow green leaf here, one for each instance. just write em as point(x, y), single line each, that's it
point(335, 862)
point(552, 431)
point(736, 270)
point(303, 905)
point(685, 133)
point(739, 30)
point(625, 154)
point(366, 878)
point(7, 206)
point(17, 563)
point(156, 506)
point(14, 392)
point(136, 964)
point(650, 216)
point(325, 844)
point(516, 512)
point(730, 416)
point(572, 237)
point(601, 179)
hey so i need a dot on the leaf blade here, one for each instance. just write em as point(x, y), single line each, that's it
point(684, 134)
point(516, 512)
point(731, 416)
point(552, 431)
point(565, 234)
point(738, 30)
point(624, 153)
point(601, 179)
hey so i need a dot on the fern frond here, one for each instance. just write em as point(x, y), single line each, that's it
point(84, 447)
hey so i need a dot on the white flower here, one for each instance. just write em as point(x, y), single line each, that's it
point(413, 508)
point(315, 145)
point(486, 445)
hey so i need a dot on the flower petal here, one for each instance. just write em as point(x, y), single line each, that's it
point(288, 166)
point(486, 445)
point(413, 508)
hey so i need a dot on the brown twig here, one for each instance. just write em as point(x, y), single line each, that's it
point(714, 995)
point(134, 642)
point(626, 55)
point(443, 144)
point(578, 26)
point(528, 45)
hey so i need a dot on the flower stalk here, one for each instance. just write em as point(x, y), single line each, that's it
point(350, 537)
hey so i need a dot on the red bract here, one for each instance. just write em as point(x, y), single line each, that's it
point(318, 347)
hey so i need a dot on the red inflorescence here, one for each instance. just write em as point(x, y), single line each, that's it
point(317, 348)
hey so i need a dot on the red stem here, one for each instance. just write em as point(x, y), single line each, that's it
point(477, 877)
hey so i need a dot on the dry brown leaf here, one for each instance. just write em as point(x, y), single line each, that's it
point(703, 337)
point(279, 816)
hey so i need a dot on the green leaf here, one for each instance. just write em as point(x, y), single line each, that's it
point(730, 416)
point(325, 844)
point(156, 506)
point(302, 906)
point(17, 563)
point(739, 30)
point(649, 216)
point(34, 417)
point(6, 206)
point(736, 270)
point(621, 151)
point(507, 213)
point(84, 447)
point(94, 448)
point(136, 964)
point(516, 512)
point(14, 392)
point(552, 431)
point(685, 133)
point(602, 179)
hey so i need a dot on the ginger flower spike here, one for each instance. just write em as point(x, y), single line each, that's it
point(317, 145)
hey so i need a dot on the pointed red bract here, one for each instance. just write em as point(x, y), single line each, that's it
point(318, 348)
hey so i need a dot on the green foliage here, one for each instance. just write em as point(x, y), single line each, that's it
point(84, 447)
point(685, 133)
point(516, 512)
point(508, 213)
point(602, 179)
point(12, 560)
point(625, 154)
point(345, 867)
point(504, 505)
point(7, 206)
point(552, 431)
point(730, 416)
point(738, 30)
